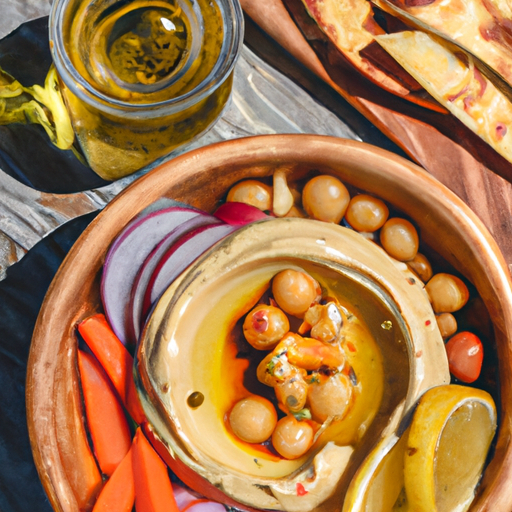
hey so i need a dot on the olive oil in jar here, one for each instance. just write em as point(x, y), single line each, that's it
point(146, 51)
point(142, 77)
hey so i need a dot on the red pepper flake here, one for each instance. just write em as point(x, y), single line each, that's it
point(301, 491)
point(351, 346)
point(412, 451)
point(260, 321)
point(428, 322)
point(419, 353)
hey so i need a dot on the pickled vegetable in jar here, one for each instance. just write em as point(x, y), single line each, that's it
point(148, 46)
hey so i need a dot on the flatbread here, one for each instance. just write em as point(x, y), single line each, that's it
point(483, 27)
point(454, 81)
point(350, 26)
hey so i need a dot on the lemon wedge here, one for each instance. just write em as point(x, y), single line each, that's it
point(388, 481)
point(436, 464)
point(378, 484)
point(449, 438)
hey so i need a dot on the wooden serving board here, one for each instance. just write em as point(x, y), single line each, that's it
point(438, 142)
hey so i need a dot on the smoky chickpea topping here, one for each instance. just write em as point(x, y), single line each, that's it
point(303, 368)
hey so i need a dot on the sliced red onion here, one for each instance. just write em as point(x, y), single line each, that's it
point(418, 3)
point(481, 80)
point(204, 506)
point(127, 254)
point(180, 256)
point(183, 496)
point(239, 214)
point(457, 95)
point(137, 313)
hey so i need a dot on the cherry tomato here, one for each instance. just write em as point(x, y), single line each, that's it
point(465, 354)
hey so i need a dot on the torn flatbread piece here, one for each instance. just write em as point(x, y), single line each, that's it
point(454, 81)
point(349, 24)
point(347, 28)
point(483, 27)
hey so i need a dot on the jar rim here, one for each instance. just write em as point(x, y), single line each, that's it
point(233, 21)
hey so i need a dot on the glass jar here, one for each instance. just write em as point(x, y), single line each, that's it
point(142, 77)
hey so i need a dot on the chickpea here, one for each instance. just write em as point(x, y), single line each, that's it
point(253, 419)
point(283, 200)
point(330, 397)
point(263, 374)
point(264, 326)
point(292, 393)
point(325, 198)
point(447, 324)
point(275, 369)
point(447, 293)
point(400, 239)
point(324, 321)
point(251, 192)
point(295, 291)
point(292, 438)
point(366, 213)
point(421, 267)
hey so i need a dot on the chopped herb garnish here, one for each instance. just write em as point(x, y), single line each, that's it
point(304, 414)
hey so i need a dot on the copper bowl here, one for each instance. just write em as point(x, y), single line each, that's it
point(201, 178)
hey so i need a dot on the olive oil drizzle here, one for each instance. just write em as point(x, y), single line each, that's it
point(363, 355)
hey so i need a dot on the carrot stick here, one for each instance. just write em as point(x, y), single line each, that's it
point(118, 494)
point(107, 423)
point(153, 489)
point(115, 360)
